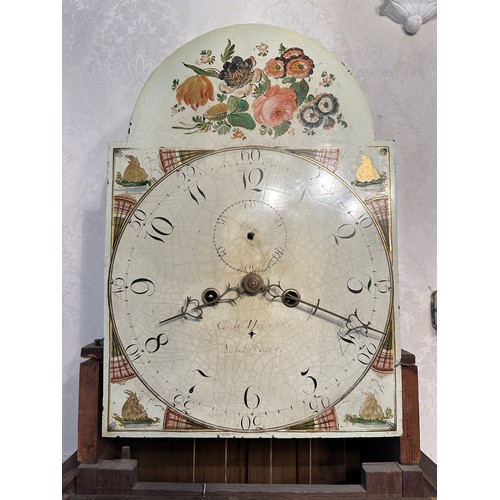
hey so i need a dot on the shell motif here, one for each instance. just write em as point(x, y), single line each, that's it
point(120, 370)
point(123, 204)
point(327, 420)
point(384, 363)
point(378, 205)
point(410, 13)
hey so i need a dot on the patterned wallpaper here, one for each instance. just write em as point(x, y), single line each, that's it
point(109, 50)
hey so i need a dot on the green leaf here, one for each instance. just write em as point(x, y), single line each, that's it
point(340, 119)
point(242, 120)
point(263, 86)
point(266, 83)
point(301, 89)
point(222, 128)
point(205, 72)
point(281, 129)
point(235, 104)
point(289, 79)
point(232, 105)
point(228, 52)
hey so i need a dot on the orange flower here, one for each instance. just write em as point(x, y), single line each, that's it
point(293, 52)
point(276, 67)
point(299, 67)
point(238, 134)
point(195, 91)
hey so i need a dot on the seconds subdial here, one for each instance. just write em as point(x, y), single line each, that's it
point(250, 235)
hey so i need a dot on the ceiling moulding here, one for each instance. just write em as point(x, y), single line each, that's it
point(410, 13)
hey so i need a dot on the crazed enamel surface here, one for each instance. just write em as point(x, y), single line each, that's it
point(259, 362)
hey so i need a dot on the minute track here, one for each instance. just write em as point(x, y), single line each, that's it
point(210, 296)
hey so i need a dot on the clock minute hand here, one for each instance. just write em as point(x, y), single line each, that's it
point(194, 310)
point(291, 298)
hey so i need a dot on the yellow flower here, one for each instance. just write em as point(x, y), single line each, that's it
point(195, 91)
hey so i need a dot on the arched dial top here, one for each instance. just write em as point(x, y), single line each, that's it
point(250, 290)
point(274, 81)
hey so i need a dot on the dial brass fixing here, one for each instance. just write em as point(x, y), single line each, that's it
point(252, 283)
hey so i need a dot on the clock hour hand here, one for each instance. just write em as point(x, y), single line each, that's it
point(194, 309)
point(292, 298)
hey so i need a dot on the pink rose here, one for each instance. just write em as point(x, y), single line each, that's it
point(276, 106)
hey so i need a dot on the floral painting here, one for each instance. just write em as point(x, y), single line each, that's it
point(268, 94)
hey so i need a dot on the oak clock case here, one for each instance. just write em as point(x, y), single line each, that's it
point(251, 289)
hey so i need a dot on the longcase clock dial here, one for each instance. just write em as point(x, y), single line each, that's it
point(250, 290)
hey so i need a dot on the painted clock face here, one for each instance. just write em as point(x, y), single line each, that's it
point(250, 290)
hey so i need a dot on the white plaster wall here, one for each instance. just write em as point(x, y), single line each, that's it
point(110, 47)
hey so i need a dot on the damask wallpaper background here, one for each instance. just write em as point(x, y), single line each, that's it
point(111, 47)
